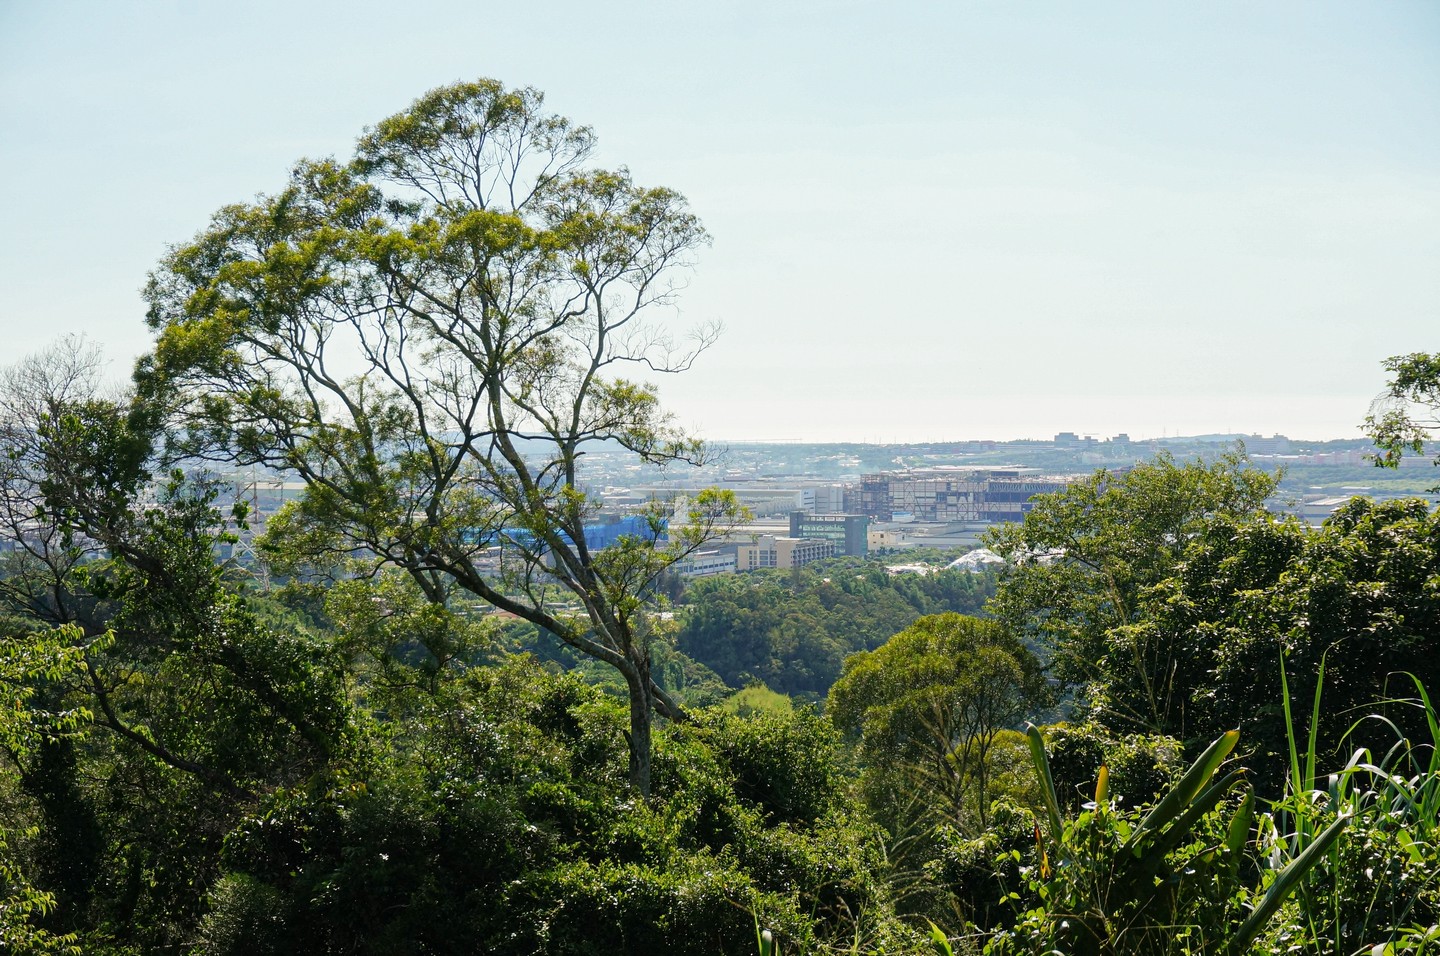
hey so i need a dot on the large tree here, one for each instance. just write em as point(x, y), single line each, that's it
point(191, 705)
point(1084, 559)
point(927, 706)
point(432, 335)
point(1356, 601)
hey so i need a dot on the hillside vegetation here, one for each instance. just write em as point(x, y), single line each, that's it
point(792, 630)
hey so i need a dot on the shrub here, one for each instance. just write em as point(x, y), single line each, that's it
point(1140, 766)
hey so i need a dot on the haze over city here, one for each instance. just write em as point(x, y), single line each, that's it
point(930, 221)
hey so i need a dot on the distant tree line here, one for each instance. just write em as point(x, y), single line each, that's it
point(792, 630)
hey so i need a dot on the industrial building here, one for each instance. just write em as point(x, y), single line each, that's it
point(848, 532)
point(704, 564)
point(954, 495)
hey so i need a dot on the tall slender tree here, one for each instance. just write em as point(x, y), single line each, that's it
point(432, 335)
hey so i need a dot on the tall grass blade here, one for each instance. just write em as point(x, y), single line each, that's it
point(940, 941)
point(1238, 833)
point(1047, 781)
point(1186, 789)
point(1314, 725)
point(1295, 782)
point(1285, 882)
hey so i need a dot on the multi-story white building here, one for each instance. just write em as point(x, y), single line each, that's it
point(704, 564)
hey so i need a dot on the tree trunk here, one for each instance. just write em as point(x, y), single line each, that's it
point(71, 832)
point(642, 717)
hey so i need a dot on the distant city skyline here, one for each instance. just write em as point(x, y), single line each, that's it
point(931, 221)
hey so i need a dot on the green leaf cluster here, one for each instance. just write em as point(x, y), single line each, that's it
point(792, 631)
point(493, 818)
point(1173, 880)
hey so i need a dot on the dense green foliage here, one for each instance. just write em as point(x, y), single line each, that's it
point(1358, 596)
point(189, 767)
point(792, 630)
point(1177, 596)
point(926, 708)
point(1137, 766)
point(194, 766)
point(1175, 879)
point(1084, 559)
point(1382, 880)
point(491, 817)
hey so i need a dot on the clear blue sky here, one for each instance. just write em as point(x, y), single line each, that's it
point(931, 220)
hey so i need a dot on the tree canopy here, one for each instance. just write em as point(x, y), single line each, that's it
point(792, 631)
point(928, 704)
point(1171, 597)
point(134, 642)
point(1083, 559)
point(1355, 602)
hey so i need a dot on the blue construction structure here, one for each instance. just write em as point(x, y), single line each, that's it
point(638, 526)
point(598, 536)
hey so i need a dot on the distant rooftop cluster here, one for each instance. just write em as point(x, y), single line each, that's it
point(811, 501)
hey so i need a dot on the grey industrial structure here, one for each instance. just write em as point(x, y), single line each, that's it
point(954, 495)
point(848, 532)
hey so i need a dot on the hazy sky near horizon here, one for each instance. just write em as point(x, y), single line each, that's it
point(931, 220)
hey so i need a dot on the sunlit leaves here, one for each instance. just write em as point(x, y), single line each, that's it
point(431, 335)
point(1083, 563)
point(1406, 416)
point(928, 704)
